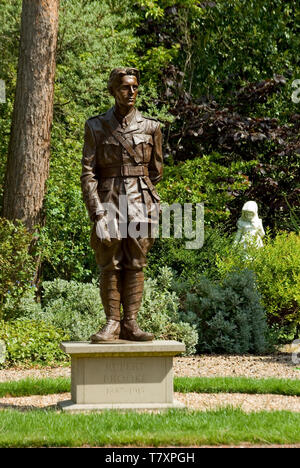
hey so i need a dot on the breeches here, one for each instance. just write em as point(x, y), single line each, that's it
point(121, 254)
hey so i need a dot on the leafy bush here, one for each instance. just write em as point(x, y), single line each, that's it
point(229, 315)
point(159, 312)
point(205, 180)
point(190, 263)
point(277, 270)
point(65, 240)
point(16, 264)
point(69, 305)
point(32, 342)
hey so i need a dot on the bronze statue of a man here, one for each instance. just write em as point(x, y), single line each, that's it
point(122, 159)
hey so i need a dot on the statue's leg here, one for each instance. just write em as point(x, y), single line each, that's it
point(135, 251)
point(108, 256)
point(110, 293)
point(131, 297)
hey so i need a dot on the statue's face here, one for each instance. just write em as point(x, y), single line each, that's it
point(126, 93)
point(248, 215)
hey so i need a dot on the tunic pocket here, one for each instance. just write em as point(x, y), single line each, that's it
point(143, 146)
point(105, 189)
point(109, 151)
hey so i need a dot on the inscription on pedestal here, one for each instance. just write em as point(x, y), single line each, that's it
point(130, 390)
point(124, 380)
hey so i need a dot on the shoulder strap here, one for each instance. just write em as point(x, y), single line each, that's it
point(122, 140)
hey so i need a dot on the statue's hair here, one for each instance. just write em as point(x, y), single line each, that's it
point(250, 206)
point(117, 74)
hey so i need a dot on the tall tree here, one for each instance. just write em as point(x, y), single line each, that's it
point(29, 148)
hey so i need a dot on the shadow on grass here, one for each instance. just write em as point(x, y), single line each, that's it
point(22, 408)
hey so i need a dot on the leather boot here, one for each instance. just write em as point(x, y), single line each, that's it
point(131, 297)
point(110, 293)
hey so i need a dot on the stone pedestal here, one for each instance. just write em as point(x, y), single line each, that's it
point(121, 375)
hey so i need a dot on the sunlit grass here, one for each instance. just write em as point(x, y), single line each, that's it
point(173, 427)
point(49, 386)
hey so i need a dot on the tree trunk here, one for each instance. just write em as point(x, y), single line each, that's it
point(29, 148)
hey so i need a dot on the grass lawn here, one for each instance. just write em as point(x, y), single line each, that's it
point(237, 385)
point(49, 386)
point(178, 427)
point(228, 426)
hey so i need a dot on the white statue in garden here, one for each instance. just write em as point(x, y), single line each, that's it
point(250, 228)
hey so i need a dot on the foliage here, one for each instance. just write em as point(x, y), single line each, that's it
point(277, 271)
point(215, 38)
point(159, 312)
point(270, 147)
point(294, 218)
point(68, 305)
point(190, 263)
point(152, 8)
point(28, 341)
point(64, 241)
point(10, 12)
point(229, 316)
point(16, 264)
point(206, 180)
point(224, 103)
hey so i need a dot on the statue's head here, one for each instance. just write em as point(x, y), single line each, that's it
point(123, 84)
point(250, 211)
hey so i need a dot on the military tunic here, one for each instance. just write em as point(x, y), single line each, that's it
point(109, 171)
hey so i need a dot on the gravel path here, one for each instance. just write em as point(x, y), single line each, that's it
point(36, 373)
point(279, 366)
point(246, 402)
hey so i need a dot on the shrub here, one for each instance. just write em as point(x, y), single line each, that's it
point(229, 316)
point(159, 312)
point(32, 342)
point(277, 270)
point(65, 240)
point(189, 263)
point(205, 180)
point(16, 264)
point(28, 306)
point(69, 305)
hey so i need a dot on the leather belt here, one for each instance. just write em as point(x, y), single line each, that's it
point(124, 171)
